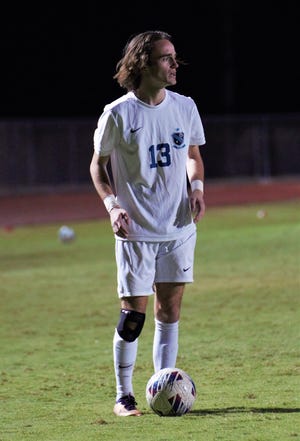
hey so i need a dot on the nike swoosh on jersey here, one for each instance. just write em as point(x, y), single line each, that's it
point(186, 269)
point(135, 130)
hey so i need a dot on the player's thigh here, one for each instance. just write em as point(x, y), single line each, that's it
point(135, 303)
point(167, 301)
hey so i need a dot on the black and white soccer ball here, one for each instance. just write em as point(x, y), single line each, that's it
point(170, 392)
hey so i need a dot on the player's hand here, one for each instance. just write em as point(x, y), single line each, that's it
point(119, 220)
point(197, 205)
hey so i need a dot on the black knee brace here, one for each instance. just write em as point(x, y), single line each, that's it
point(130, 324)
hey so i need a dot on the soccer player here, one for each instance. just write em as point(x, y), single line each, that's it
point(153, 192)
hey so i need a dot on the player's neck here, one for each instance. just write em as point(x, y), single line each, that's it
point(151, 97)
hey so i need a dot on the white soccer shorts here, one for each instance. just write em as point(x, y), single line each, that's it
point(141, 264)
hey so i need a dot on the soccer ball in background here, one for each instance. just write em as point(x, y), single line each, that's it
point(170, 392)
point(66, 234)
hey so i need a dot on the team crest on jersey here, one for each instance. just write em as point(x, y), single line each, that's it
point(178, 139)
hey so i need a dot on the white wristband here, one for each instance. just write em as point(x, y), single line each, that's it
point(197, 185)
point(110, 202)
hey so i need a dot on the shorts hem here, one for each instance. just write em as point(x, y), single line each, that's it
point(174, 281)
point(141, 294)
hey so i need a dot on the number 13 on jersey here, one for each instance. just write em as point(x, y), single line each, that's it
point(163, 152)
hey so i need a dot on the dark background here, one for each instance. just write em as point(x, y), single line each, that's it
point(58, 59)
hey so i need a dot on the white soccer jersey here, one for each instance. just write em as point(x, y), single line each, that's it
point(148, 148)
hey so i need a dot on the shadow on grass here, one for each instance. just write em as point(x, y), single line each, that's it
point(228, 410)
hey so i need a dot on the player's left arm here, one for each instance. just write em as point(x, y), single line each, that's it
point(195, 173)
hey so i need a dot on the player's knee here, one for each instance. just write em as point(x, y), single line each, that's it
point(130, 324)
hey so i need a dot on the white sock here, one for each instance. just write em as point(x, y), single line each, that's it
point(165, 345)
point(124, 360)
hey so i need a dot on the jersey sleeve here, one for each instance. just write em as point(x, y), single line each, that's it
point(106, 135)
point(197, 131)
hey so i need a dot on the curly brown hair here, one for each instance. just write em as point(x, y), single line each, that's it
point(136, 56)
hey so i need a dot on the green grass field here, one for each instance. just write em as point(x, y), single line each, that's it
point(239, 333)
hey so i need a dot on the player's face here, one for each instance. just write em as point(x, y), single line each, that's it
point(163, 64)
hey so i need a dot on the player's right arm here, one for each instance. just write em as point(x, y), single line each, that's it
point(118, 216)
point(100, 176)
